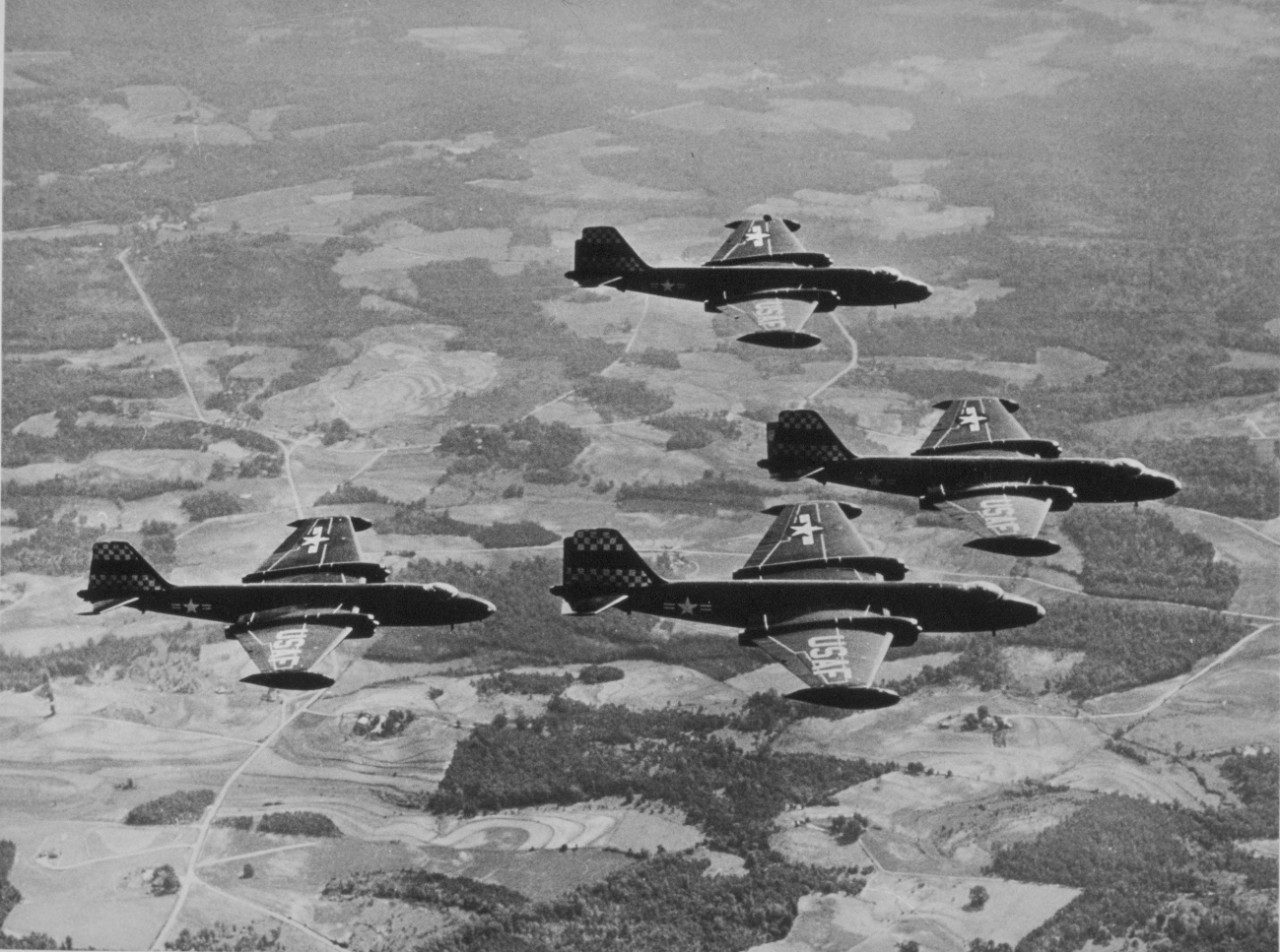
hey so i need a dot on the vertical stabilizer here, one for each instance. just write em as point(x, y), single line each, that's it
point(799, 442)
point(601, 569)
point(119, 571)
point(602, 255)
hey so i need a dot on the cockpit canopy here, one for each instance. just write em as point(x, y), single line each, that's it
point(441, 589)
point(990, 589)
point(883, 272)
point(1130, 466)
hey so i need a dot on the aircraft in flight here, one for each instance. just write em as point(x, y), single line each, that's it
point(310, 594)
point(811, 596)
point(761, 272)
point(978, 467)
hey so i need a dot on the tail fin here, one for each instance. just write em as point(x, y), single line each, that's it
point(117, 573)
point(600, 570)
point(799, 443)
point(602, 255)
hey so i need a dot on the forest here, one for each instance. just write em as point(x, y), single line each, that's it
point(662, 903)
point(95, 657)
point(1229, 475)
point(693, 431)
point(1142, 555)
point(182, 806)
point(1138, 863)
point(422, 887)
point(298, 823)
point(575, 752)
point(703, 497)
point(419, 518)
point(543, 452)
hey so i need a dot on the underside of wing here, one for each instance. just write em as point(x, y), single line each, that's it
point(778, 318)
point(286, 649)
point(324, 545)
point(836, 654)
point(1005, 520)
point(982, 423)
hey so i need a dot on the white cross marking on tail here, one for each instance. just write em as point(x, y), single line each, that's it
point(314, 539)
point(804, 528)
point(756, 235)
point(971, 418)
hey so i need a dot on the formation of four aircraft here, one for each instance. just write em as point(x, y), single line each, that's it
point(812, 595)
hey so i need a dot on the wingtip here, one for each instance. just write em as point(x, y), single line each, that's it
point(289, 680)
point(1020, 547)
point(847, 698)
point(786, 340)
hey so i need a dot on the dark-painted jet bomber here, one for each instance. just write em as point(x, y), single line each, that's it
point(811, 596)
point(978, 467)
point(311, 593)
point(761, 272)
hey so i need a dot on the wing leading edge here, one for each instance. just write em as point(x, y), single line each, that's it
point(323, 545)
point(982, 423)
point(765, 239)
point(810, 536)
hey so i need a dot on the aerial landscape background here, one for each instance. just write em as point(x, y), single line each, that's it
point(264, 260)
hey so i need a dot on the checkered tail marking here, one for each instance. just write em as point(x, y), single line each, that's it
point(802, 438)
point(601, 559)
point(117, 568)
point(603, 250)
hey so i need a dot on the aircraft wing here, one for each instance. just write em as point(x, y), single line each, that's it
point(982, 423)
point(815, 535)
point(324, 545)
point(778, 318)
point(1006, 518)
point(836, 653)
point(285, 648)
point(756, 238)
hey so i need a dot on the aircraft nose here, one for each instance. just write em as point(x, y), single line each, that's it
point(1022, 611)
point(917, 290)
point(1167, 485)
point(478, 609)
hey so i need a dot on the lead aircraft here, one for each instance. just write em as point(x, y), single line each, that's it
point(310, 594)
point(811, 596)
point(978, 467)
point(761, 272)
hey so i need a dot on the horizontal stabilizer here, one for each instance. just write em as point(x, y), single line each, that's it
point(289, 680)
point(1020, 547)
point(107, 604)
point(590, 605)
point(850, 699)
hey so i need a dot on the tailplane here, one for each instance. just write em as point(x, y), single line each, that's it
point(601, 256)
point(118, 573)
point(600, 570)
point(800, 443)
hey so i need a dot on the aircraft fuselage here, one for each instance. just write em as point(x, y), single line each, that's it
point(390, 603)
point(1093, 480)
point(851, 287)
point(749, 603)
